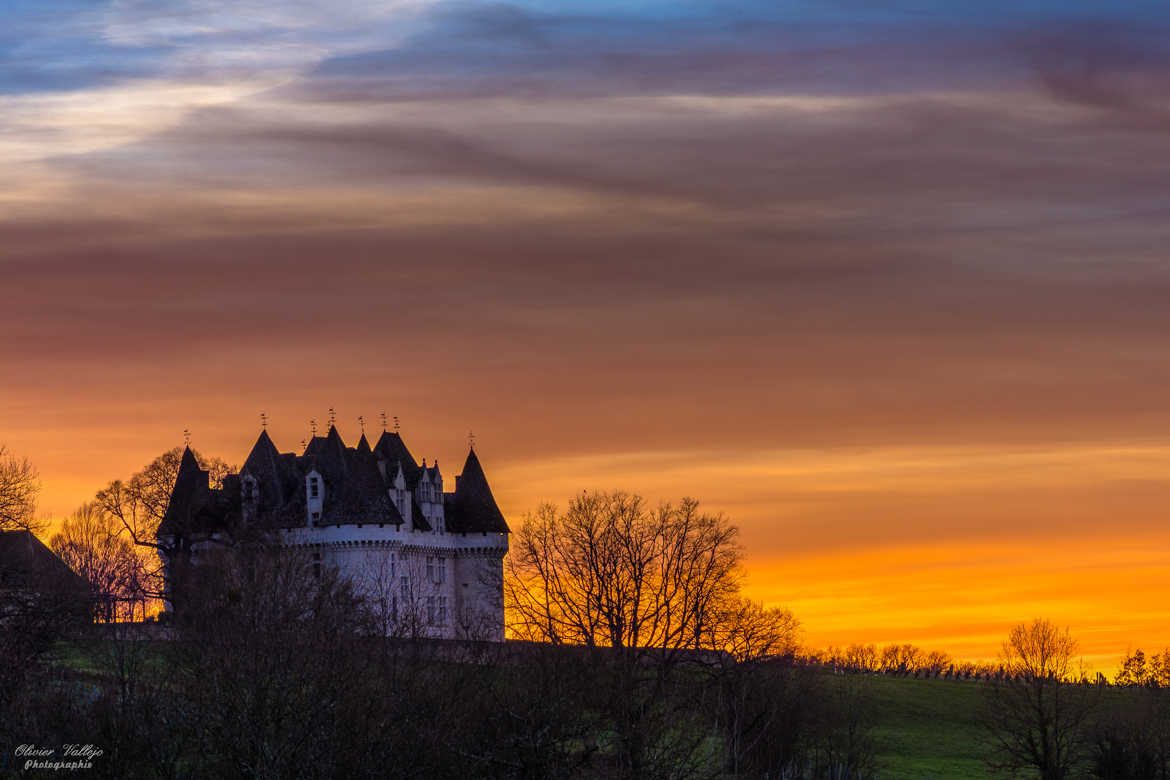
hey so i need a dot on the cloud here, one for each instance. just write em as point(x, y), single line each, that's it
point(912, 264)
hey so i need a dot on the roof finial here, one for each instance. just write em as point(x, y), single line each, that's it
point(304, 446)
point(263, 421)
point(187, 436)
point(332, 417)
point(396, 423)
point(471, 440)
point(313, 426)
point(362, 422)
point(382, 416)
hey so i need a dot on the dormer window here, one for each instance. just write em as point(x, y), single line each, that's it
point(314, 487)
point(251, 490)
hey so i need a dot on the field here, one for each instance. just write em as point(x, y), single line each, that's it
point(927, 728)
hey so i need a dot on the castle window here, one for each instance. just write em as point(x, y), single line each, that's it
point(316, 516)
point(404, 586)
point(431, 610)
point(431, 569)
point(441, 571)
point(314, 487)
point(442, 610)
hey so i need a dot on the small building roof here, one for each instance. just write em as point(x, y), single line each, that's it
point(25, 562)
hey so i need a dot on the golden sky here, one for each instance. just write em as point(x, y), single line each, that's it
point(887, 287)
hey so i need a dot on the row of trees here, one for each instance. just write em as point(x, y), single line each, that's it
point(892, 659)
point(1138, 670)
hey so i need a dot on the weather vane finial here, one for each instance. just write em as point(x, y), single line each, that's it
point(471, 440)
point(332, 417)
point(187, 436)
point(362, 422)
point(313, 426)
point(382, 416)
point(263, 421)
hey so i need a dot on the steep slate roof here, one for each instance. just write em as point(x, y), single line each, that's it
point(314, 446)
point(275, 478)
point(472, 507)
point(330, 459)
point(191, 495)
point(361, 496)
point(356, 489)
point(27, 563)
point(392, 449)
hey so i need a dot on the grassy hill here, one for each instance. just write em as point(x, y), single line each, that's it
point(927, 728)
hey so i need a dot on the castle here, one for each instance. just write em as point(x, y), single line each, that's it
point(429, 562)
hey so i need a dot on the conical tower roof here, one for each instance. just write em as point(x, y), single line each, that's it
point(190, 494)
point(473, 507)
point(271, 472)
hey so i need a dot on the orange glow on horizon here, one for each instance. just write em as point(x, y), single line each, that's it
point(942, 547)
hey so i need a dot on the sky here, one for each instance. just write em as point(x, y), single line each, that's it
point(887, 287)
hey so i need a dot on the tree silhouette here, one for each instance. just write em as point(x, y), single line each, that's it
point(19, 486)
point(140, 503)
point(1033, 713)
point(96, 546)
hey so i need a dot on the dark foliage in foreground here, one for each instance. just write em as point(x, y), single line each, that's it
point(273, 672)
point(276, 674)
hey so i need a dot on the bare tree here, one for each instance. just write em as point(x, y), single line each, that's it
point(95, 546)
point(862, 658)
point(402, 594)
point(752, 703)
point(1035, 715)
point(901, 659)
point(19, 486)
point(642, 589)
point(140, 503)
point(610, 572)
